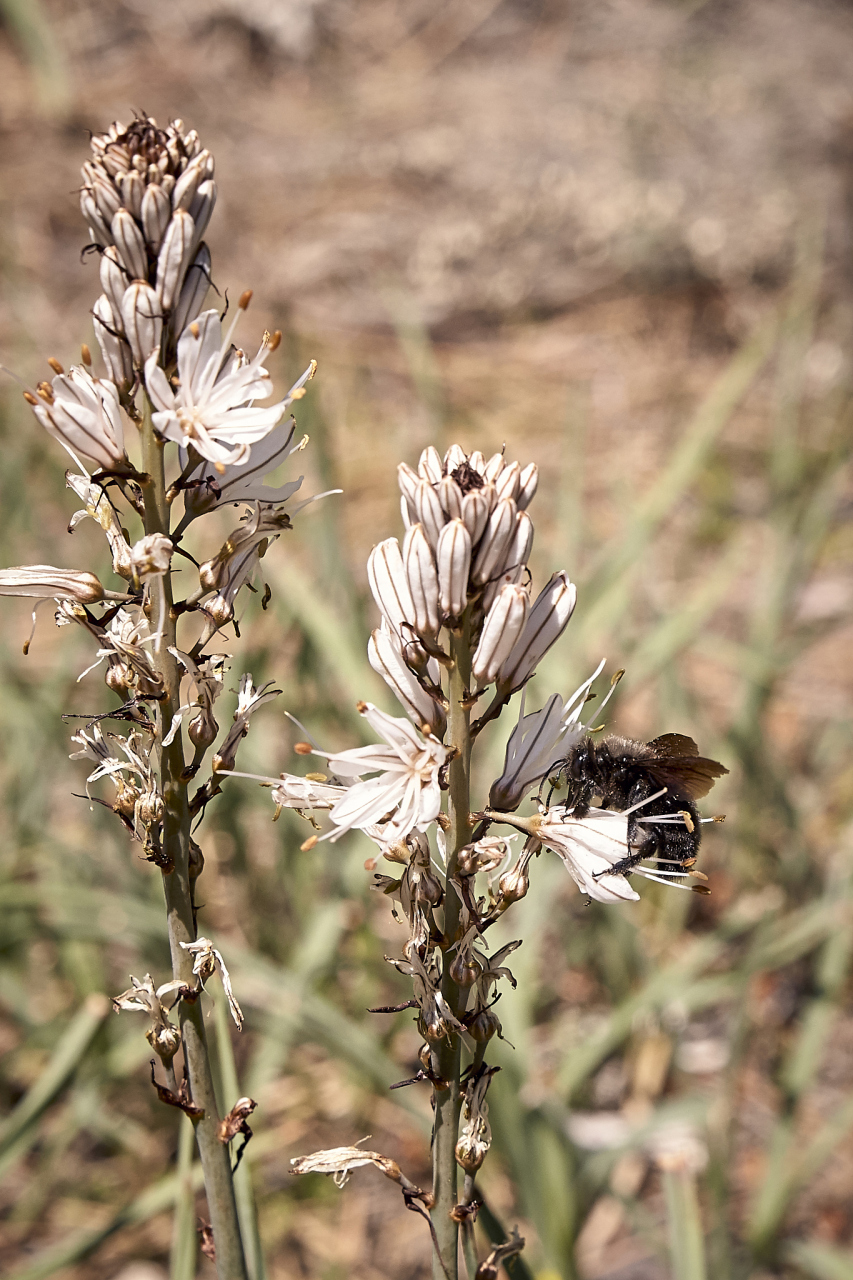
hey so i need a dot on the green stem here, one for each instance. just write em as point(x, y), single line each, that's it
point(447, 1054)
point(184, 1252)
point(215, 1159)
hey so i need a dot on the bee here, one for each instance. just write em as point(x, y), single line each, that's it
point(659, 779)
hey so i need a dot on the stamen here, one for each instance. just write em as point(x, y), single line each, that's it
point(640, 803)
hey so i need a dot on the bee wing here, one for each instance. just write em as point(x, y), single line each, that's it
point(693, 775)
point(674, 744)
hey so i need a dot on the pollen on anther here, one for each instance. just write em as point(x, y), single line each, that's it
point(55, 365)
point(194, 329)
point(86, 355)
point(245, 299)
point(312, 841)
point(303, 748)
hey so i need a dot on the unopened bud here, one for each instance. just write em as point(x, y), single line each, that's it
point(453, 554)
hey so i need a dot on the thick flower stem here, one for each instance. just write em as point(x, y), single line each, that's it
point(215, 1157)
point(447, 1054)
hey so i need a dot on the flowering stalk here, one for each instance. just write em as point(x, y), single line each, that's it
point(177, 887)
point(447, 1055)
point(177, 387)
point(457, 618)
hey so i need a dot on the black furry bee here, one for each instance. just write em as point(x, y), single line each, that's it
point(622, 774)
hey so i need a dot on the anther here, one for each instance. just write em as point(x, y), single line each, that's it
point(245, 299)
point(303, 748)
point(55, 365)
point(86, 356)
point(274, 340)
point(312, 841)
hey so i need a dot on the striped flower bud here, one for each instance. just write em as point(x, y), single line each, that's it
point(521, 542)
point(193, 293)
point(98, 229)
point(408, 481)
point(143, 320)
point(507, 482)
point(429, 512)
point(450, 497)
point(454, 563)
point(429, 465)
point(389, 585)
point(187, 185)
point(528, 482)
point(130, 245)
point(107, 198)
point(491, 557)
point(476, 508)
point(132, 186)
point(501, 629)
point(422, 579)
point(155, 215)
point(477, 461)
point(386, 657)
point(202, 207)
point(493, 467)
point(115, 351)
point(114, 280)
point(45, 582)
point(546, 622)
point(174, 258)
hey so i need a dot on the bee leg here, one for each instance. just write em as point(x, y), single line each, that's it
point(621, 868)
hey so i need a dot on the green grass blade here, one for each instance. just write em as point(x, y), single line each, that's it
point(63, 1063)
point(687, 1246)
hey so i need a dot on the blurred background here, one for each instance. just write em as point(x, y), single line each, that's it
point(617, 237)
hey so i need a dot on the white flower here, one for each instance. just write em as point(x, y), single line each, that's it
point(205, 488)
point(213, 407)
point(84, 415)
point(589, 847)
point(385, 655)
point(407, 786)
point(539, 741)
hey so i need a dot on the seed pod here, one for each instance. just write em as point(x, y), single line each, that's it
point(484, 1025)
point(130, 244)
point(454, 562)
point(155, 215)
point(174, 257)
point(143, 320)
point(464, 970)
point(422, 579)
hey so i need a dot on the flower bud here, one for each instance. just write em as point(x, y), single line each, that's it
point(546, 622)
point(506, 483)
point(429, 512)
point(528, 482)
point(98, 229)
point(174, 257)
point(143, 320)
point(454, 457)
point(194, 291)
point(454, 562)
point(477, 461)
point(450, 497)
point(408, 481)
point(132, 191)
point(476, 508)
point(155, 215)
point(491, 556)
point(422, 578)
point(429, 465)
point(501, 629)
point(106, 197)
point(494, 467)
point(114, 280)
point(115, 351)
point(386, 657)
point(130, 244)
point(390, 587)
point(187, 185)
point(202, 207)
